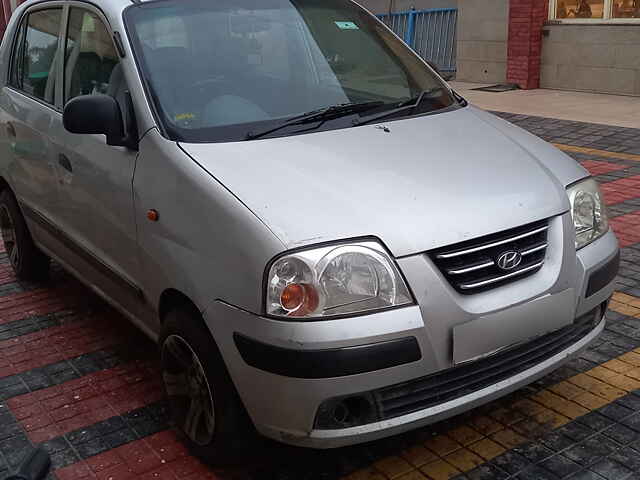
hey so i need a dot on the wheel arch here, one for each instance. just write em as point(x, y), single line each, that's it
point(172, 298)
point(4, 185)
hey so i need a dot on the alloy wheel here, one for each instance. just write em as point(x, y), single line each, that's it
point(8, 231)
point(188, 390)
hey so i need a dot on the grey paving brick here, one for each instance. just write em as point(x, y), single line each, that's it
point(119, 437)
point(536, 473)
point(64, 458)
point(632, 422)
point(586, 475)
point(560, 466)
point(556, 441)
point(621, 434)
point(511, 462)
point(627, 456)
point(615, 411)
point(575, 431)
point(55, 445)
point(611, 470)
point(487, 472)
point(91, 448)
point(534, 451)
point(630, 401)
point(591, 450)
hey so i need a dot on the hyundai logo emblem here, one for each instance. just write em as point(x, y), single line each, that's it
point(509, 260)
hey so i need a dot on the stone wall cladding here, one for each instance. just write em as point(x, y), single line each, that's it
point(482, 33)
point(592, 58)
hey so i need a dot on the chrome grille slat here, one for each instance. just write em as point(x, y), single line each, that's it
point(534, 249)
point(460, 271)
point(484, 283)
point(472, 266)
point(490, 245)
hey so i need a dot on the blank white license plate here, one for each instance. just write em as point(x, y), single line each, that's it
point(489, 334)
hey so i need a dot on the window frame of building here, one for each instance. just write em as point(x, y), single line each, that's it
point(607, 15)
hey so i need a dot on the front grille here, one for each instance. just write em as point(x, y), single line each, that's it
point(473, 266)
point(456, 382)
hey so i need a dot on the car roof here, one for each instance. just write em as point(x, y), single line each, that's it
point(108, 6)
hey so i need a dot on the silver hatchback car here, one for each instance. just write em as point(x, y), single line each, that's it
point(328, 243)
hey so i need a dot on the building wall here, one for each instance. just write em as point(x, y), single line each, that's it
point(596, 58)
point(482, 35)
point(382, 6)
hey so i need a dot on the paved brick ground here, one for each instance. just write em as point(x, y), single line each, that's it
point(78, 378)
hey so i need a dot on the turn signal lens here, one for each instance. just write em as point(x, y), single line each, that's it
point(292, 296)
point(153, 215)
point(299, 299)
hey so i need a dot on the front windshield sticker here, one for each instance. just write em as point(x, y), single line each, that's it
point(184, 116)
point(347, 25)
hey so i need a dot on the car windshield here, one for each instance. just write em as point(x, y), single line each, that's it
point(219, 70)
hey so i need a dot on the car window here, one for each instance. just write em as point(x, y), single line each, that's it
point(90, 57)
point(212, 67)
point(35, 57)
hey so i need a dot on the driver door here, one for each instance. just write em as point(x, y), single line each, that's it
point(96, 179)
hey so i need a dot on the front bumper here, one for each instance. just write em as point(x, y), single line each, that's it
point(285, 405)
point(340, 437)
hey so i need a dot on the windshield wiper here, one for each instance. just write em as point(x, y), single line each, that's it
point(319, 115)
point(410, 104)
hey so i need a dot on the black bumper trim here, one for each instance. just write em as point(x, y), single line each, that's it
point(335, 362)
point(603, 276)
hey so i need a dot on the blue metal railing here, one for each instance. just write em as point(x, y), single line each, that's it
point(431, 33)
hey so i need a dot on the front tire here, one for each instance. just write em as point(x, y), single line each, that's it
point(27, 260)
point(204, 404)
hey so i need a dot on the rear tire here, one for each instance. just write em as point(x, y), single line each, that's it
point(27, 260)
point(204, 404)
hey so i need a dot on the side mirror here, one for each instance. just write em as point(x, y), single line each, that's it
point(97, 114)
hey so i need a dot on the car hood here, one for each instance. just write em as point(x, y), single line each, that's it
point(425, 183)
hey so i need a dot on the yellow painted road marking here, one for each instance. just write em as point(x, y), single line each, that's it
point(486, 436)
point(599, 153)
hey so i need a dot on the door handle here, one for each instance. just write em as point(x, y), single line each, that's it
point(11, 130)
point(64, 162)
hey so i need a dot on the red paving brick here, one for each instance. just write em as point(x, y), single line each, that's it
point(621, 190)
point(599, 168)
point(6, 274)
point(54, 411)
point(17, 306)
point(159, 456)
point(627, 228)
point(75, 471)
point(72, 338)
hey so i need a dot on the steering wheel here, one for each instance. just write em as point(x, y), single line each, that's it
point(196, 96)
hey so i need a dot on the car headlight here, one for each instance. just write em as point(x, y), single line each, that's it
point(335, 280)
point(588, 211)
